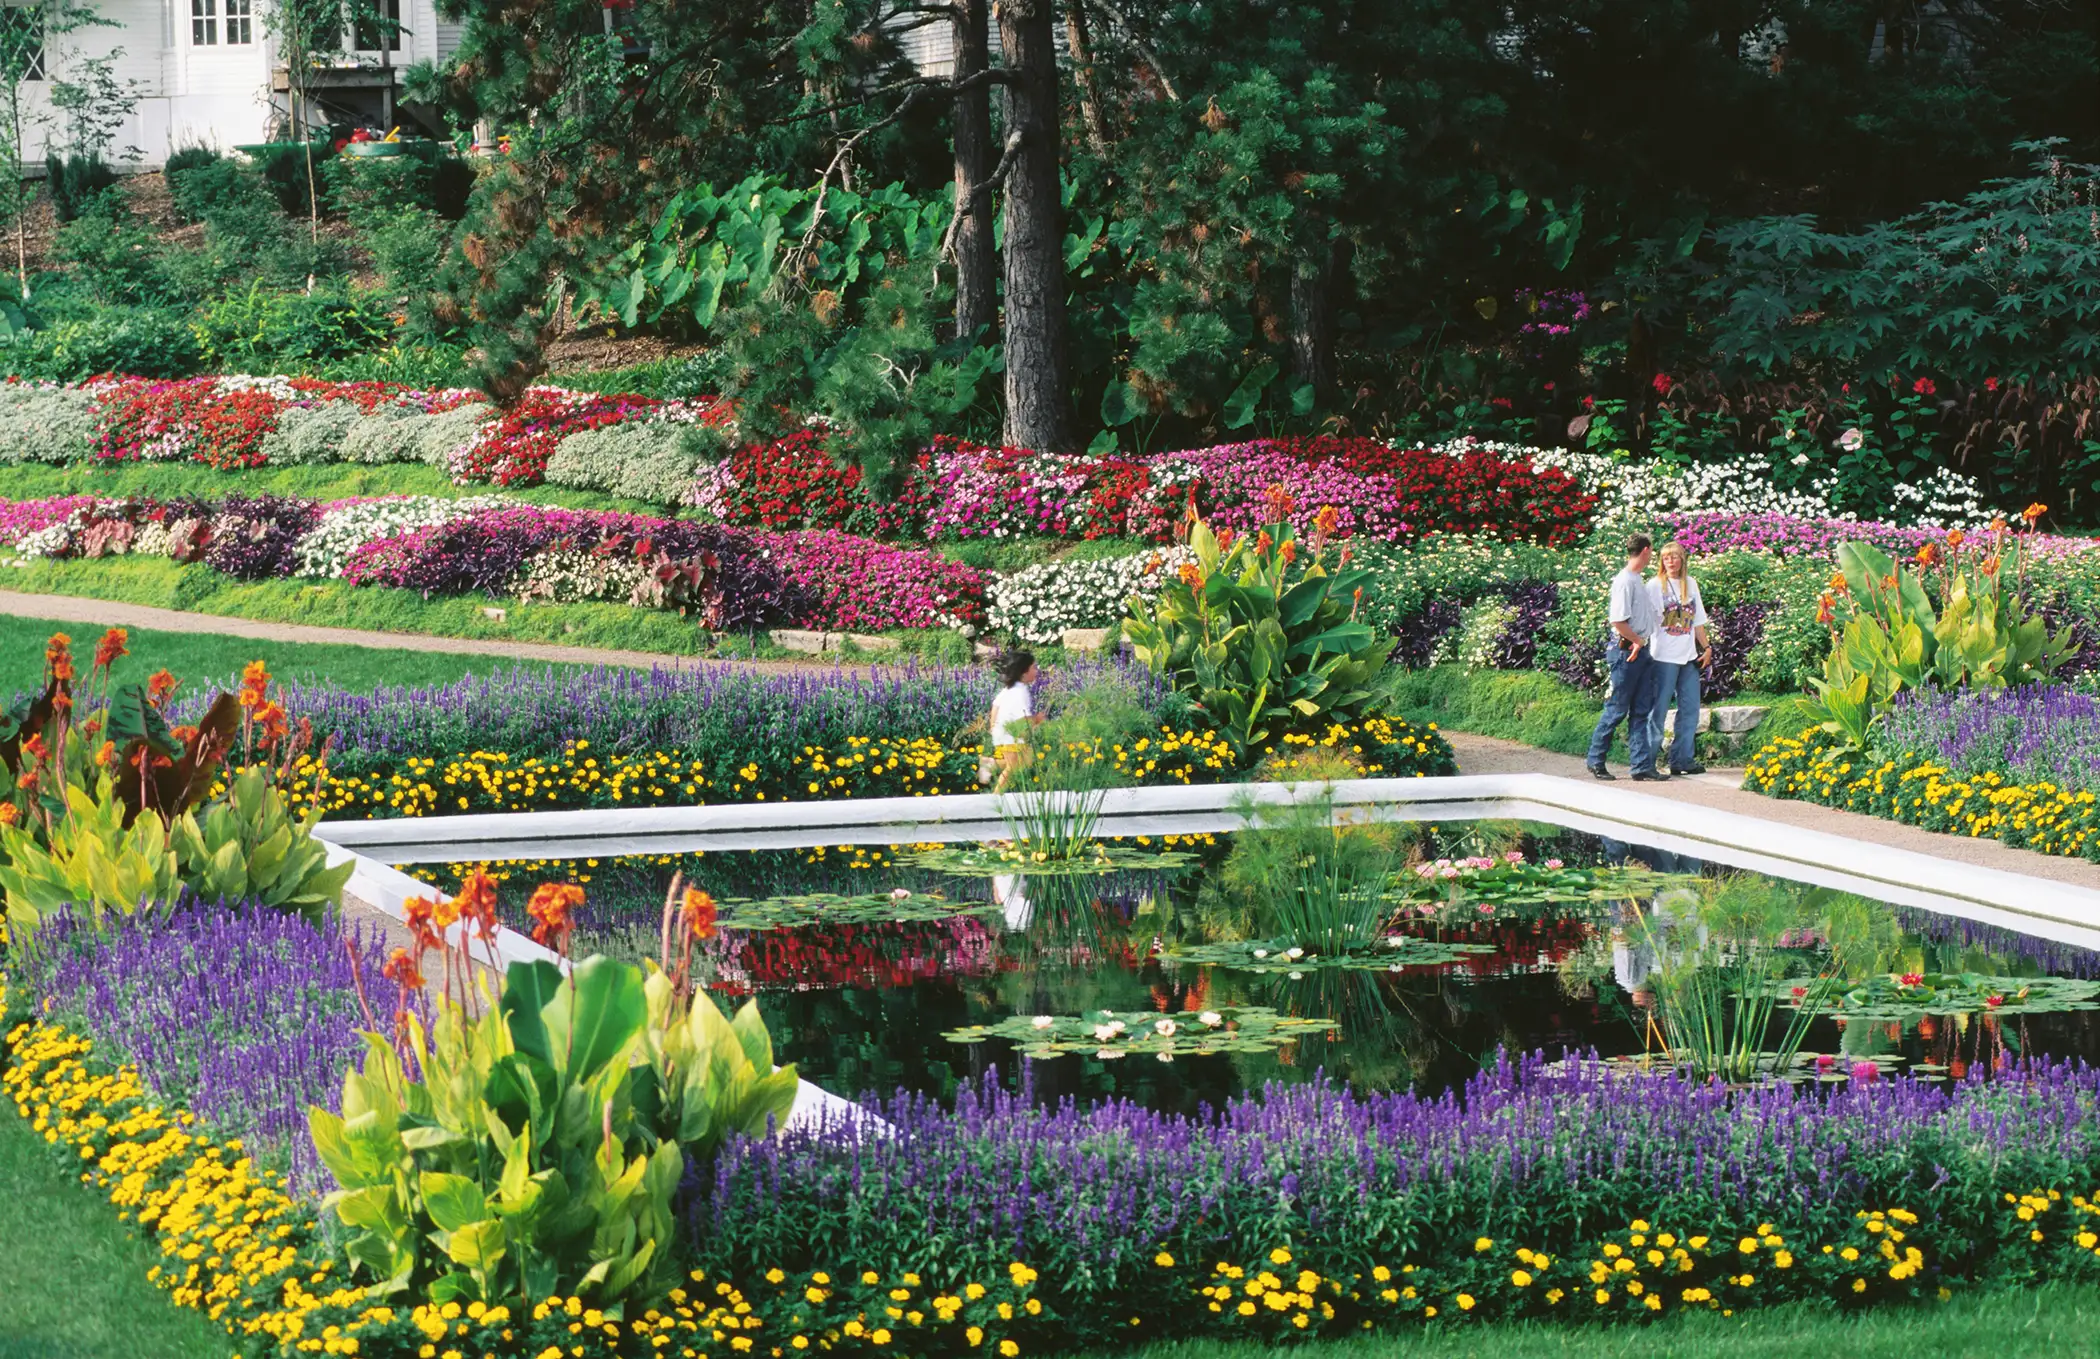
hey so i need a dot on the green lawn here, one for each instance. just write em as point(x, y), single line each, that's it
point(203, 660)
point(74, 1283)
point(2053, 1320)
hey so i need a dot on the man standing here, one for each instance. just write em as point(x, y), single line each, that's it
point(1634, 620)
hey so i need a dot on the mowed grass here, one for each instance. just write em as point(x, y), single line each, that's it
point(205, 660)
point(74, 1282)
point(2052, 1320)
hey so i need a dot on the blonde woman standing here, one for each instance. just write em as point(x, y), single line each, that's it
point(1681, 652)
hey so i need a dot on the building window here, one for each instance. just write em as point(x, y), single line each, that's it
point(240, 22)
point(22, 39)
point(204, 23)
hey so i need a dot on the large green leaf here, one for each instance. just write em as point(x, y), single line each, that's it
point(528, 988)
point(594, 1018)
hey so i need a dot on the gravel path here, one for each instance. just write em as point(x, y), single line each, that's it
point(1722, 789)
point(104, 613)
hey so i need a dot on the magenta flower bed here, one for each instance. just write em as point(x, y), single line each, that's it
point(860, 584)
point(1788, 536)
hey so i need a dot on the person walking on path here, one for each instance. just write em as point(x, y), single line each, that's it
point(1013, 716)
point(1681, 651)
point(1632, 696)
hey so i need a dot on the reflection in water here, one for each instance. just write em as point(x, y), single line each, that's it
point(864, 1006)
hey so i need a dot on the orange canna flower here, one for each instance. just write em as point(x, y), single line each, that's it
point(1989, 565)
point(698, 914)
point(58, 656)
point(1280, 502)
point(1262, 541)
point(2034, 512)
point(476, 902)
point(107, 756)
point(1825, 612)
point(1889, 581)
point(403, 969)
point(1289, 552)
point(420, 915)
point(271, 719)
point(1997, 523)
point(159, 686)
point(1328, 519)
point(1191, 575)
point(111, 648)
point(553, 911)
point(255, 683)
point(1929, 554)
point(1955, 537)
point(1837, 583)
point(9, 813)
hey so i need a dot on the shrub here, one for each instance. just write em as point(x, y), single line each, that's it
point(43, 423)
point(653, 461)
point(268, 330)
point(147, 341)
point(75, 182)
point(792, 482)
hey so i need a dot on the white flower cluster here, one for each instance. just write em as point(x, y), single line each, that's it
point(1480, 631)
point(1946, 498)
point(566, 576)
point(1038, 604)
point(327, 547)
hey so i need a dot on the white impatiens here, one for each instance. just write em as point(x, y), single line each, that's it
point(1038, 604)
point(1942, 499)
point(325, 549)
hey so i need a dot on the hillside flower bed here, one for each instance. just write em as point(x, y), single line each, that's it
point(729, 578)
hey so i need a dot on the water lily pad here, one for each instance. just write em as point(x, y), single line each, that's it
point(1391, 953)
point(1109, 1034)
point(825, 908)
point(1913, 995)
point(981, 861)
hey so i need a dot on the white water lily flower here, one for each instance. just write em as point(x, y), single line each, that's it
point(1294, 953)
point(1042, 1021)
point(900, 894)
point(1166, 1056)
point(1108, 1054)
point(1261, 953)
point(1165, 1028)
point(1297, 976)
point(1104, 1033)
point(1210, 1018)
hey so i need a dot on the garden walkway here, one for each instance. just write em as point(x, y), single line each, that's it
point(108, 614)
point(1721, 788)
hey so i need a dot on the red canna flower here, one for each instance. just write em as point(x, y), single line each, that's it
point(553, 912)
point(404, 970)
point(1924, 387)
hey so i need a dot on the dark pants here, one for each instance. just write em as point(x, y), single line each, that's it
point(1632, 701)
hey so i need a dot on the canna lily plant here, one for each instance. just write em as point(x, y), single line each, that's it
point(1261, 633)
point(1889, 634)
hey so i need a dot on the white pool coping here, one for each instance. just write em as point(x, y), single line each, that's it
point(2037, 906)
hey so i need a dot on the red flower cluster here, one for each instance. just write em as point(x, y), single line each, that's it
point(513, 449)
point(789, 483)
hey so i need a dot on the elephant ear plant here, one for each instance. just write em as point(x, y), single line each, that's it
point(1264, 637)
point(1980, 634)
point(539, 1151)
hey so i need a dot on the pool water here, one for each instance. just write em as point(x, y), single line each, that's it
point(1425, 953)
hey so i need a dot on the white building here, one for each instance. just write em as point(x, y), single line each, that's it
point(208, 73)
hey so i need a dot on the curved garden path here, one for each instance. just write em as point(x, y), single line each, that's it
point(108, 614)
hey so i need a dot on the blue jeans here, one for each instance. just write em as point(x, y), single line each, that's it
point(1678, 680)
point(1632, 701)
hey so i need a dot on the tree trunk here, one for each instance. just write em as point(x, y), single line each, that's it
point(1083, 72)
point(976, 264)
point(1038, 364)
point(1317, 286)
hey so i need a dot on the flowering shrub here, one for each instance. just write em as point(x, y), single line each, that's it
point(790, 483)
point(1920, 791)
point(1038, 604)
point(849, 582)
point(1742, 487)
point(346, 525)
point(513, 449)
point(228, 422)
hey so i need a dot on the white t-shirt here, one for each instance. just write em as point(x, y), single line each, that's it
point(1011, 709)
point(1679, 610)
